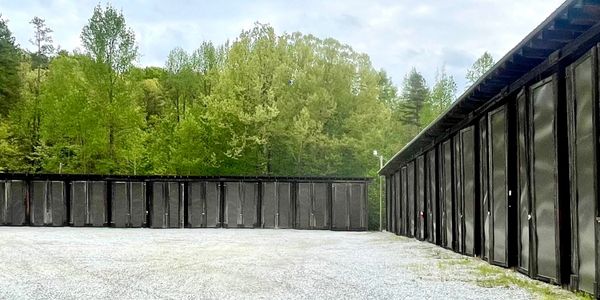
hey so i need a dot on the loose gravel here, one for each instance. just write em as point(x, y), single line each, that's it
point(109, 263)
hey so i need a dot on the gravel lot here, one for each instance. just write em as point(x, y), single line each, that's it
point(108, 263)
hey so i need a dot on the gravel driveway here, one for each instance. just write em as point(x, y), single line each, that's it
point(108, 263)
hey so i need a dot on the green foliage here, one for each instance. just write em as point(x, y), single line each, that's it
point(440, 98)
point(414, 95)
point(479, 67)
point(10, 81)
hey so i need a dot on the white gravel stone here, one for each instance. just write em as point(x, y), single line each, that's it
point(109, 263)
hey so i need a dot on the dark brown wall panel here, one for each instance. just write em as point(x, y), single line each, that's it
point(524, 205)
point(498, 185)
point(468, 189)
point(410, 173)
point(582, 83)
point(544, 176)
point(447, 210)
point(420, 200)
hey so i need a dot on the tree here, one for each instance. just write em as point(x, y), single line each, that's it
point(388, 92)
point(180, 81)
point(10, 81)
point(414, 96)
point(111, 46)
point(479, 68)
point(42, 41)
point(441, 97)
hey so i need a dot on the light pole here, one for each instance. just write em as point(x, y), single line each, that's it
point(380, 189)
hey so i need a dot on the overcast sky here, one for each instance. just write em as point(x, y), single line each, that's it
point(397, 35)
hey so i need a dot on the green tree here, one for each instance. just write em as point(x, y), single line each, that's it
point(441, 97)
point(10, 81)
point(111, 46)
point(414, 95)
point(479, 67)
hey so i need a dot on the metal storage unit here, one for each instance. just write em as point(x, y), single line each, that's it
point(536, 162)
point(313, 200)
point(524, 235)
point(340, 215)
point(128, 204)
point(388, 203)
point(393, 207)
point(404, 201)
point(500, 196)
point(420, 199)
point(467, 202)
point(241, 204)
point(203, 204)
point(37, 203)
point(397, 202)
point(88, 203)
point(304, 205)
point(446, 195)
point(348, 203)
point(484, 203)
point(582, 95)
point(120, 204)
point(47, 203)
point(166, 204)
point(13, 198)
point(544, 178)
point(357, 205)
point(458, 195)
point(410, 193)
point(277, 206)
point(321, 205)
point(432, 198)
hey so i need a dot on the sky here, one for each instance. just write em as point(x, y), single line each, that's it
point(397, 35)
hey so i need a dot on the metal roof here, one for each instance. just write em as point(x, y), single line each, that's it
point(563, 26)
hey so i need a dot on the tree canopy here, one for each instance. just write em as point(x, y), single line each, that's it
point(264, 103)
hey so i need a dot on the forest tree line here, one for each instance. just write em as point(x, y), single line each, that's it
point(262, 104)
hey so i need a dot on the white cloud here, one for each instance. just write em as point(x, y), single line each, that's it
point(397, 35)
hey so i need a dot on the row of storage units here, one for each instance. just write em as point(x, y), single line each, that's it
point(304, 203)
point(515, 182)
